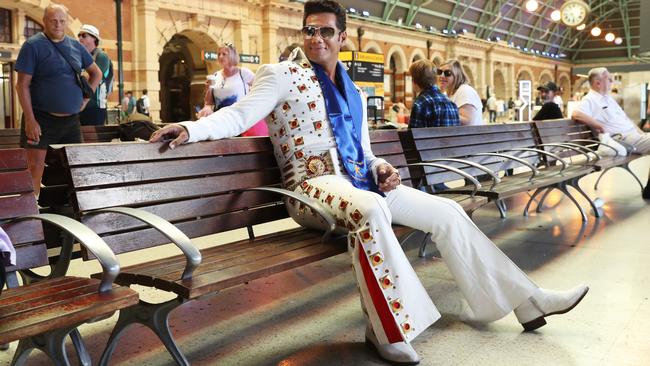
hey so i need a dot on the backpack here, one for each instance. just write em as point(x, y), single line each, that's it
point(108, 79)
point(139, 106)
point(139, 126)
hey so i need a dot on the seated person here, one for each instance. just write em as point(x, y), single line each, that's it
point(550, 109)
point(602, 113)
point(431, 108)
point(320, 137)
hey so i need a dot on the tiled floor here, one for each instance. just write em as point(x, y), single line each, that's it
point(311, 316)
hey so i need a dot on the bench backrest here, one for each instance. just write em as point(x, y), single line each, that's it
point(17, 199)
point(562, 130)
point(424, 144)
point(194, 186)
point(9, 138)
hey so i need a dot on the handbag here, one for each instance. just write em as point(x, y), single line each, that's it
point(139, 129)
point(86, 90)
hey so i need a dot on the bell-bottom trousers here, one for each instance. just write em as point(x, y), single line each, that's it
point(398, 307)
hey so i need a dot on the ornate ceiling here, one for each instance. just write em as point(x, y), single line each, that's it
point(508, 21)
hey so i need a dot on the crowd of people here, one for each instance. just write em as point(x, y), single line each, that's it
point(313, 113)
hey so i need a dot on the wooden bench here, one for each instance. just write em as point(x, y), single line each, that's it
point(201, 189)
point(42, 314)
point(564, 131)
point(10, 137)
point(491, 150)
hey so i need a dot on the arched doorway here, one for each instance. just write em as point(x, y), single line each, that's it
point(182, 75)
point(499, 85)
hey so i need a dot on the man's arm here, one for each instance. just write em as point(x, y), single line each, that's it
point(32, 128)
point(416, 119)
point(587, 120)
point(95, 75)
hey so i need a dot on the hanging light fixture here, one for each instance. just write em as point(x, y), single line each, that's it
point(609, 37)
point(556, 15)
point(618, 40)
point(581, 27)
point(595, 31)
point(532, 5)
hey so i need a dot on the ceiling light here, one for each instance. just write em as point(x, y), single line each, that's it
point(618, 40)
point(365, 13)
point(464, 31)
point(418, 26)
point(352, 11)
point(609, 37)
point(532, 5)
point(595, 31)
point(498, 38)
point(581, 26)
point(555, 15)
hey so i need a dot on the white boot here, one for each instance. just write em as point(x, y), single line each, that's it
point(400, 353)
point(532, 312)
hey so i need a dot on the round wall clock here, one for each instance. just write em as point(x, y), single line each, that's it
point(574, 12)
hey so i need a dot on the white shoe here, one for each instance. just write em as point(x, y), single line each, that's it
point(400, 353)
point(544, 303)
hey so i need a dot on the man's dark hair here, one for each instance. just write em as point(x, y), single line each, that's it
point(144, 91)
point(325, 6)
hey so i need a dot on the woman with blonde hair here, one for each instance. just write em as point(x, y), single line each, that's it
point(228, 85)
point(453, 81)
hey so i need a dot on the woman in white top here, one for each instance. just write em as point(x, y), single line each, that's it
point(453, 81)
point(228, 85)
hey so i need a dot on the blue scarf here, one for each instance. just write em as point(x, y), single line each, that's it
point(345, 113)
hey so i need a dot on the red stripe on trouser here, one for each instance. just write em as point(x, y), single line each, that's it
point(381, 307)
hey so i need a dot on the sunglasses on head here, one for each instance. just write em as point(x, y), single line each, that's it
point(447, 73)
point(310, 31)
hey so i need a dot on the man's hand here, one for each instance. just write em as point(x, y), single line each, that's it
point(175, 132)
point(205, 111)
point(387, 177)
point(32, 131)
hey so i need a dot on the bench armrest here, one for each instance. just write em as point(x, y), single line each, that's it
point(543, 152)
point(308, 201)
point(598, 143)
point(495, 178)
point(533, 169)
point(89, 239)
point(475, 182)
point(192, 254)
point(574, 147)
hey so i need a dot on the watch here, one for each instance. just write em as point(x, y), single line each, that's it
point(574, 12)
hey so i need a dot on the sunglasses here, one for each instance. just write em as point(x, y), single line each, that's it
point(229, 45)
point(310, 32)
point(83, 35)
point(446, 72)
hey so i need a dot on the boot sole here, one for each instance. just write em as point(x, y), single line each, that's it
point(373, 347)
point(540, 322)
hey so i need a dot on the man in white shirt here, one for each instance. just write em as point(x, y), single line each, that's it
point(602, 113)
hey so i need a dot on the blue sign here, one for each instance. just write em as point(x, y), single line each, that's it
point(210, 55)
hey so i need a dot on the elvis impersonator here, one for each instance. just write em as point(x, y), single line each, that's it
point(317, 124)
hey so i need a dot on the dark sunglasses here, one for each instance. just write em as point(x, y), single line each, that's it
point(83, 35)
point(446, 72)
point(310, 31)
point(229, 45)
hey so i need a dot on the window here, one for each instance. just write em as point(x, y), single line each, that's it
point(31, 27)
point(5, 26)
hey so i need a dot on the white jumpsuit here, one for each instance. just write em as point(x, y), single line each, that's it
point(396, 303)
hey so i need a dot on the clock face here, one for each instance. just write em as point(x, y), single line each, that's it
point(574, 13)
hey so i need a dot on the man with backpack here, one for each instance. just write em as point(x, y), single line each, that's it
point(95, 111)
point(142, 105)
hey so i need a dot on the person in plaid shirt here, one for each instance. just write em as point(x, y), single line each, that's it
point(431, 108)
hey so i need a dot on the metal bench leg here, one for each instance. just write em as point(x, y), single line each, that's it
point(626, 166)
point(80, 348)
point(423, 247)
point(540, 205)
point(531, 199)
point(154, 316)
point(562, 187)
point(51, 343)
point(600, 177)
point(576, 184)
point(501, 206)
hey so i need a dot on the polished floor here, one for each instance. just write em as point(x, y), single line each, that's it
point(311, 316)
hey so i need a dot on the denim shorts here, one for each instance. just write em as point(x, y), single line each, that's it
point(54, 130)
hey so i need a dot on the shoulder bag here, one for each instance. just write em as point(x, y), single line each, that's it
point(83, 83)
